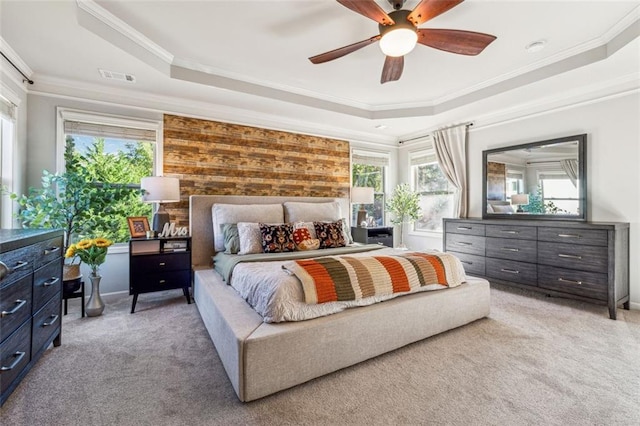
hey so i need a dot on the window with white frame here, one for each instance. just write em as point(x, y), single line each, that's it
point(369, 169)
point(7, 143)
point(559, 194)
point(112, 154)
point(437, 194)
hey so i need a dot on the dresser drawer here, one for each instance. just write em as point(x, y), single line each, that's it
point(48, 250)
point(160, 262)
point(15, 305)
point(465, 228)
point(160, 281)
point(46, 324)
point(512, 249)
point(15, 354)
point(473, 265)
point(573, 256)
point(512, 231)
point(592, 237)
point(470, 244)
point(47, 281)
point(587, 284)
point(19, 262)
point(509, 270)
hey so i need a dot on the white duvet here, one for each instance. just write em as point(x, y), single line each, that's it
point(278, 296)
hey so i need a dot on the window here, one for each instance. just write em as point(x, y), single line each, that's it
point(437, 195)
point(515, 182)
point(369, 168)
point(7, 141)
point(559, 194)
point(111, 155)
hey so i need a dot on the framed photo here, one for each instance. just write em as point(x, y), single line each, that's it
point(138, 226)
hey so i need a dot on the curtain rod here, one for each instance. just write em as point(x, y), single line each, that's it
point(27, 79)
point(469, 124)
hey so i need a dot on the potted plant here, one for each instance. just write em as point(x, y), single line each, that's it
point(404, 204)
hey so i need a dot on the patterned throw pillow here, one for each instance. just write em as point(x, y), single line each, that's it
point(277, 238)
point(330, 234)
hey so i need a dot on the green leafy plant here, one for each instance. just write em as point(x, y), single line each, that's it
point(404, 204)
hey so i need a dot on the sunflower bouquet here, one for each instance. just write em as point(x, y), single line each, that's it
point(92, 252)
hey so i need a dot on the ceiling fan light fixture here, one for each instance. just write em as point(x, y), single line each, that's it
point(398, 42)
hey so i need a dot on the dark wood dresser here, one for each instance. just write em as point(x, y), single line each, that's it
point(30, 300)
point(587, 261)
point(379, 235)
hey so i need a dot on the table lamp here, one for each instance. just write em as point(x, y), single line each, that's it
point(160, 189)
point(361, 195)
point(520, 200)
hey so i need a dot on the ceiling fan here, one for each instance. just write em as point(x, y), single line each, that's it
point(399, 34)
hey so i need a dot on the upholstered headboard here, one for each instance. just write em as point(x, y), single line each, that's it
point(201, 222)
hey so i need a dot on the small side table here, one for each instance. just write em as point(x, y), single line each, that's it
point(379, 235)
point(68, 294)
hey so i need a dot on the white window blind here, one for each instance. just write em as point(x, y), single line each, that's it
point(426, 156)
point(373, 158)
point(7, 109)
point(106, 131)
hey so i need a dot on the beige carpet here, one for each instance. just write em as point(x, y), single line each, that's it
point(534, 361)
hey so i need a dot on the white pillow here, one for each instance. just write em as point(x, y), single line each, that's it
point(296, 211)
point(250, 238)
point(235, 213)
point(503, 209)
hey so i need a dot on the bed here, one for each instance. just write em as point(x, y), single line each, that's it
point(262, 358)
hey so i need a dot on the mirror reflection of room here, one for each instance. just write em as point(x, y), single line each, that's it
point(534, 180)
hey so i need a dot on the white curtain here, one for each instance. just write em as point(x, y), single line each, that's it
point(451, 151)
point(570, 167)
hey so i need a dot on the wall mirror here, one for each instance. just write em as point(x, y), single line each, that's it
point(539, 180)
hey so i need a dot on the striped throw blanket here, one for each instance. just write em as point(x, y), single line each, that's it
point(340, 278)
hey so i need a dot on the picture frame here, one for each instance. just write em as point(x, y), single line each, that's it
point(138, 226)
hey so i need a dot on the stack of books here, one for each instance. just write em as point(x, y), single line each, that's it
point(175, 245)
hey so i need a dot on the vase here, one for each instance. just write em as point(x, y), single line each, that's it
point(95, 305)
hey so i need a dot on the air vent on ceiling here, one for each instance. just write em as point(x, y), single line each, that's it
point(119, 76)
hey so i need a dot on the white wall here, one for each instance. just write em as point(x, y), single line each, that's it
point(613, 163)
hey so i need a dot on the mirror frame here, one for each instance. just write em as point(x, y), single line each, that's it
point(582, 177)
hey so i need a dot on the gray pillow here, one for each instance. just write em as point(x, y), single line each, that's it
point(231, 238)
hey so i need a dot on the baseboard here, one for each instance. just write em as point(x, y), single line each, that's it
point(635, 306)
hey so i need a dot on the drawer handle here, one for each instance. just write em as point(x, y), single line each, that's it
point(19, 356)
point(162, 264)
point(570, 256)
point(570, 281)
point(569, 236)
point(51, 250)
point(510, 271)
point(51, 282)
point(53, 321)
point(505, 231)
point(162, 281)
point(19, 304)
point(465, 228)
point(510, 249)
point(462, 243)
point(19, 264)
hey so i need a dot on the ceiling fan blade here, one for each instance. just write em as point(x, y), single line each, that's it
point(455, 41)
point(341, 51)
point(429, 9)
point(392, 69)
point(368, 8)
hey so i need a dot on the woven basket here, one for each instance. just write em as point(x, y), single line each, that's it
point(71, 272)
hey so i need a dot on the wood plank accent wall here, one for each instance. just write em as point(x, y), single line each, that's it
point(211, 157)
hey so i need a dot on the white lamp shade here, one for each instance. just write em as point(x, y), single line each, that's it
point(160, 189)
point(520, 199)
point(362, 195)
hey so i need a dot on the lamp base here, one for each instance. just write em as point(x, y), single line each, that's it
point(362, 217)
point(160, 218)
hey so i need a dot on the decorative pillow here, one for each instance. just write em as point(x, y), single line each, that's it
point(346, 231)
point(302, 238)
point(296, 211)
point(330, 234)
point(277, 238)
point(503, 209)
point(235, 213)
point(250, 238)
point(231, 238)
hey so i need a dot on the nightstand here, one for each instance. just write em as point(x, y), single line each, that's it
point(157, 264)
point(382, 235)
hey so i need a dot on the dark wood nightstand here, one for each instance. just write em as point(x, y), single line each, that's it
point(157, 264)
point(382, 235)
